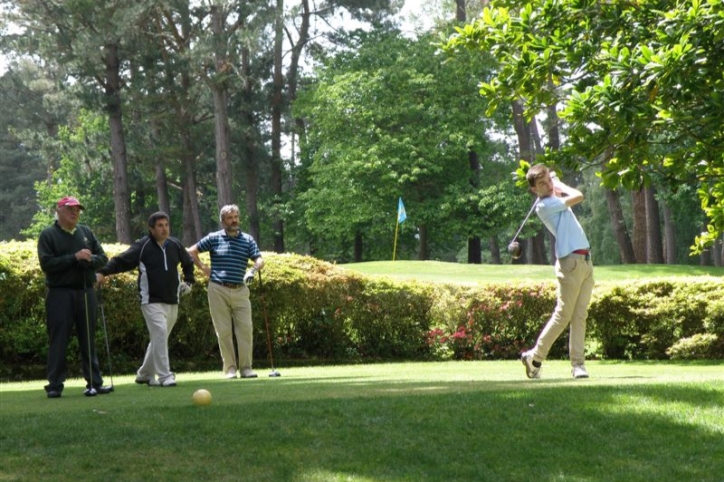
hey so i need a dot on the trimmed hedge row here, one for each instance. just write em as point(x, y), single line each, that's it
point(318, 312)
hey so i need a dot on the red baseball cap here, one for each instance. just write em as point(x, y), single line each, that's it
point(69, 201)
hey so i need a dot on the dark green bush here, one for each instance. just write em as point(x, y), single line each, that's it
point(318, 312)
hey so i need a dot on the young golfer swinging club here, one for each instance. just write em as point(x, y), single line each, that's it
point(574, 271)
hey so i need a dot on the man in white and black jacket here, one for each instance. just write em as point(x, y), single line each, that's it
point(157, 257)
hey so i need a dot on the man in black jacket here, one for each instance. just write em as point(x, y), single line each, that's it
point(69, 254)
point(157, 257)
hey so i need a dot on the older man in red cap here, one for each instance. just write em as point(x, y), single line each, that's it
point(69, 255)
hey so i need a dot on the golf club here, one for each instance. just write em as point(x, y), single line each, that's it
point(90, 391)
point(514, 246)
point(273, 372)
point(105, 334)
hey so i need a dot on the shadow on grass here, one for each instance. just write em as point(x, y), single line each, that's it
point(292, 430)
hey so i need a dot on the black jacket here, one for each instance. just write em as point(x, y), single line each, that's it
point(56, 251)
point(158, 276)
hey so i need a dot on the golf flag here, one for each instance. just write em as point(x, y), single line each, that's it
point(401, 214)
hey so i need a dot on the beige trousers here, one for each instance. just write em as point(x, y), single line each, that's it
point(231, 314)
point(575, 287)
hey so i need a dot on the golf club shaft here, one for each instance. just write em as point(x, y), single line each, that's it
point(105, 334)
point(88, 335)
point(525, 220)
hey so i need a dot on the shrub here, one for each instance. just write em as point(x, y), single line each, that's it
point(697, 347)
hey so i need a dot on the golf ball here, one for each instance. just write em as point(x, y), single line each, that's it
point(201, 397)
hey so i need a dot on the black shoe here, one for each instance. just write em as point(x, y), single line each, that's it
point(104, 390)
point(53, 394)
point(90, 392)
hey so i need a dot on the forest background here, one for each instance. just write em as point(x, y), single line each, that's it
point(316, 117)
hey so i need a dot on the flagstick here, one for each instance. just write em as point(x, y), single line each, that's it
point(394, 249)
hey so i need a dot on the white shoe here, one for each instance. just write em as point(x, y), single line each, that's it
point(579, 371)
point(231, 373)
point(152, 382)
point(247, 372)
point(531, 370)
point(146, 380)
point(169, 382)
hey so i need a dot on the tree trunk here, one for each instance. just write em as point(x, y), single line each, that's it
point(639, 225)
point(423, 254)
point(358, 248)
point(460, 13)
point(250, 148)
point(475, 250)
point(224, 179)
point(655, 249)
point(494, 250)
point(670, 235)
point(623, 240)
point(537, 247)
point(276, 125)
point(717, 252)
point(474, 245)
point(121, 195)
point(522, 130)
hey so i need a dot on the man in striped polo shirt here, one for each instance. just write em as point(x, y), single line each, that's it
point(230, 250)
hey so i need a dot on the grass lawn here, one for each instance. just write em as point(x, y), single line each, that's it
point(489, 273)
point(446, 421)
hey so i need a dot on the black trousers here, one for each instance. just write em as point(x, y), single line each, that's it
point(65, 309)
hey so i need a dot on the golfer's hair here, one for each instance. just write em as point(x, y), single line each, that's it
point(535, 173)
point(153, 218)
point(228, 209)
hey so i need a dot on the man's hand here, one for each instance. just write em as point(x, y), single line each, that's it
point(184, 288)
point(249, 276)
point(99, 278)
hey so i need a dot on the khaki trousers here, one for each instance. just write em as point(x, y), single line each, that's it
point(231, 314)
point(575, 287)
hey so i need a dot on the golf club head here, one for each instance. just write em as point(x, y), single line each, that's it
point(274, 374)
point(515, 250)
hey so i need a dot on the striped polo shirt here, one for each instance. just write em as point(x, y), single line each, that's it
point(229, 256)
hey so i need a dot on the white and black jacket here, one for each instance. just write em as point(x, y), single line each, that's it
point(158, 276)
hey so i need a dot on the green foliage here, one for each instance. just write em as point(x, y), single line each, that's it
point(388, 119)
point(644, 319)
point(317, 312)
point(634, 82)
point(701, 346)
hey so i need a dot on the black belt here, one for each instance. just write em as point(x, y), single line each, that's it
point(228, 285)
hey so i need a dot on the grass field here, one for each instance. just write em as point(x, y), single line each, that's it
point(405, 422)
point(489, 273)
point(447, 421)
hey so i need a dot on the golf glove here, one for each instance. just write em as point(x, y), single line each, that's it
point(249, 276)
point(184, 288)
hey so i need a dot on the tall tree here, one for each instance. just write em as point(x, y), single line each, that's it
point(628, 77)
point(91, 40)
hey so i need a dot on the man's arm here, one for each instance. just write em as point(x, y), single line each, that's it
point(194, 252)
point(572, 195)
point(126, 261)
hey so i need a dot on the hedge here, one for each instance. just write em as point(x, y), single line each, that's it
point(318, 312)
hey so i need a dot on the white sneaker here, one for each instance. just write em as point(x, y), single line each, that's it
point(231, 373)
point(169, 382)
point(247, 372)
point(579, 371)
point(532, 367)
point(143, 379)
point(152, 382)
